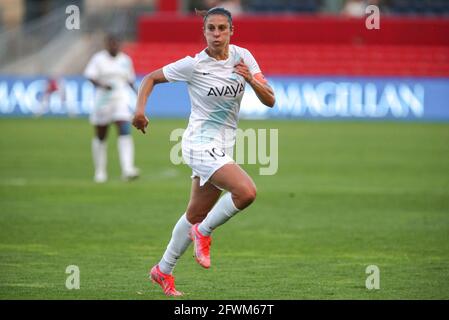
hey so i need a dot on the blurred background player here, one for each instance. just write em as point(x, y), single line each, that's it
point(233, 6)
point(112, 73)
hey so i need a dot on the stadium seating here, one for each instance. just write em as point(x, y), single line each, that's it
point(398, 7)
point(308, 45)
point(419, 7)
point(283, 6)
point(297, 59)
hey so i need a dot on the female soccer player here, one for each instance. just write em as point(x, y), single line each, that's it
point(112, 73)
point(216, 81)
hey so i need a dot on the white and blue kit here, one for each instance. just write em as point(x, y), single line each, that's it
point(111, 105)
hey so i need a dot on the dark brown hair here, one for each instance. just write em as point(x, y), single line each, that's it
point(216, 10)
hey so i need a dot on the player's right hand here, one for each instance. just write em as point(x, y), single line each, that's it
point(140, 121)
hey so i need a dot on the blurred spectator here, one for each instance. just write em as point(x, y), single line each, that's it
point(354, 8)
point(383, 5)
point(54, 85)
point(233, 6)
point(210, 3)
point(357, 8)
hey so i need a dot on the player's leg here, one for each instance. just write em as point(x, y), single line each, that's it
point(99, 153)
point(125, 145)
point(242, 192)
point(202, 199)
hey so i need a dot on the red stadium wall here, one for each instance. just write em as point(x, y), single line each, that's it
point(307, 45)
point(301, 29)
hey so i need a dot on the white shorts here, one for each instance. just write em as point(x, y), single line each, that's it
point(111, 112)
point(205, 159)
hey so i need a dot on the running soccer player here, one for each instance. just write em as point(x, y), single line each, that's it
point(216, 80)
point(112, 73)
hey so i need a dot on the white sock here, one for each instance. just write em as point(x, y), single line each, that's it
point(100, 157)
point(126, 153)
point(223, 210)
point(178, 244)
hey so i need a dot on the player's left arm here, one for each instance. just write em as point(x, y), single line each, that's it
point(131, 75)
point(258, 82)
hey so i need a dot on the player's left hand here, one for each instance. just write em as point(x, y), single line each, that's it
point(140, 121)
point(242, 69)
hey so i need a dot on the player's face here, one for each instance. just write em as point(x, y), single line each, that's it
point(217, 31)
point(113, 47)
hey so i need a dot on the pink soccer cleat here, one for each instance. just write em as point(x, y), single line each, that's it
point(166, 281)
point(201, 246)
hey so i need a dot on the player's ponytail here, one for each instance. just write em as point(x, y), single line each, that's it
point(201, 13)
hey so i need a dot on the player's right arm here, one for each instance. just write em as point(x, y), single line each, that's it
point(140, 121)
point(93, 72)
point(100, 85)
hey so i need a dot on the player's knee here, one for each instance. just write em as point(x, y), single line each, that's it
point(250, 195)
point(195, 215)
point(124, 128)
point(246, 195)
point(193, 219)
point(101, 136)
point(101, 132)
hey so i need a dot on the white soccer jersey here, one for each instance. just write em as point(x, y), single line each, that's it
point(215, 94)
point(115, 71)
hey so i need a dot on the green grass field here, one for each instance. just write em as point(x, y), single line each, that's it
point(347, 195)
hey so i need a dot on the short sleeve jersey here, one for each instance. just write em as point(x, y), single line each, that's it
point(115, 71)
point(215, 94)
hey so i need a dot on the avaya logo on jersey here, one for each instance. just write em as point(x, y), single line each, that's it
point(227, 91)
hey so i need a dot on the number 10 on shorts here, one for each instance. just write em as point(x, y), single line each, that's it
point(261, 148)
point(215, 152)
